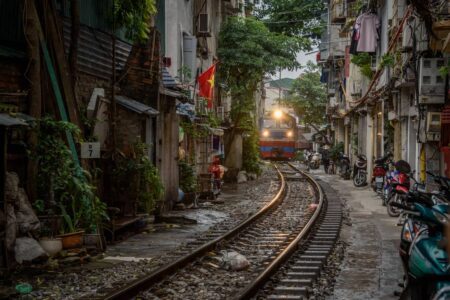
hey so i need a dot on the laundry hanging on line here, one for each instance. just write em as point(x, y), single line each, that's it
point(365, 34)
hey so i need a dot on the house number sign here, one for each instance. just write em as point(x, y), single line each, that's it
point(90, 150)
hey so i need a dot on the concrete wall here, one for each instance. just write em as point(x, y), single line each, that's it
point(167, 151)
point(179, 16)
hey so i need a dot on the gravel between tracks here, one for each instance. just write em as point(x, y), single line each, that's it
point(94, 278)
point(205, 279)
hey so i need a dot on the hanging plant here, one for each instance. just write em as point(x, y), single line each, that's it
point(364, 61)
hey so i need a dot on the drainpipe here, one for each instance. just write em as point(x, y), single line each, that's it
point(423, 164)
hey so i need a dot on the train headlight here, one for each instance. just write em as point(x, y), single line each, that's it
point(278, 114)
point(289, 134)
point(265, 133)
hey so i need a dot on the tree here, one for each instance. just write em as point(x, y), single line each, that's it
point(299, 19)
point(134, 16)
point(248, 51)
point(308, 97)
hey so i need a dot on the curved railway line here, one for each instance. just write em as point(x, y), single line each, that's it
point(297, 229)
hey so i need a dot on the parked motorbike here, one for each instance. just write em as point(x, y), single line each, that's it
point(360, 171)
point(427, 261)
point(344, 166)
point(398, 188)
point(422, 246)
point(379, 171)
point(314, 161)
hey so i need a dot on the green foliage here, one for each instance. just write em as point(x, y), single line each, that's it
point(188, 178)
point(300, 19)
point(135, 16)
point(308, 97)
point(61, 183)
point(185, 74)
point(364, 62)
point(248, 51)
point(136, 175)
point(194, 130)
point(444, 71)
point(336, 150)
point(387, 60)
point(251, 153)
point(299, 155)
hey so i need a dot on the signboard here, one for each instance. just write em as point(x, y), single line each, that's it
point(90, 150)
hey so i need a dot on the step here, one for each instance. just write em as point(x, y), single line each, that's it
point(321, 258)
point(302, 275)
point(304, 262)
point(286, 297)
point(296, 281)
point(291, 290)
point(316, 252)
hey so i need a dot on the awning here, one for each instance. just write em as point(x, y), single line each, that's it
point(167, 80)
point(216, 131)
point(17, 120)
point(186, 109)
point(173, 94)
point(136, 106)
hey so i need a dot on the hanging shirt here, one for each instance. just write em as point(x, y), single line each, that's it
point(367, 25)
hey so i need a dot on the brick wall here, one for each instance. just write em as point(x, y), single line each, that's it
point(13, 85)
point(86, 85)
point(142, 71)
point(130, 127)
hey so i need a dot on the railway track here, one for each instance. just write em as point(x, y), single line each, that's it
point(297, 224)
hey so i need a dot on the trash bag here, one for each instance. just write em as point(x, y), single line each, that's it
point(11, 187)
point(231, 260)
point(242, 177)
point(27, 249)
point(11, 227)
point(25, 217)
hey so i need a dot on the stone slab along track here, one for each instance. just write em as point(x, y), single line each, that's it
point(267, 239)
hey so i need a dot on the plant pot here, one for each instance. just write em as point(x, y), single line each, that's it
point(51, 245)
point(92, 240)
point(72, 240)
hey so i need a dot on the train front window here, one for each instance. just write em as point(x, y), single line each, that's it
point(269, 123)
point(285, 124)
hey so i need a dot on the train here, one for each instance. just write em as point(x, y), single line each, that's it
point(278, 136)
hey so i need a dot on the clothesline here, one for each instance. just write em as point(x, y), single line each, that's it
point(379, 71)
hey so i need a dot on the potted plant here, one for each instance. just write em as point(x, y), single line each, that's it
point(63, 184)
point(188, 182)
point(92, 238)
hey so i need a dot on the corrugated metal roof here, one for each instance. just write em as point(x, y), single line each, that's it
point(8, 120)
point(173, 94)
point(136, 106)
point(167, 79)
point(95, 51)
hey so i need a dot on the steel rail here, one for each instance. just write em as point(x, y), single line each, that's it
point(262, 278)
point(158, 275)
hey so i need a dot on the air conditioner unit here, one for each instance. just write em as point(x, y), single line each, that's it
point(433, 126)
point(431, 84)
point(203, 24)
point(331, 92)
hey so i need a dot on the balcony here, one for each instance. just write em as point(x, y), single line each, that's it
point(338, 14)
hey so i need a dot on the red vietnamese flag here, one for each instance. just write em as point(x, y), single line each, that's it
point(206, 84)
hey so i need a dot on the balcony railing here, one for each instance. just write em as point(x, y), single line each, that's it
point(338, 11)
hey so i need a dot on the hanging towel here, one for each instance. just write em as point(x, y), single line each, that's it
point(367, 24)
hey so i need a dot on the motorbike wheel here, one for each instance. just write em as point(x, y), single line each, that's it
point(313, 166)
point(417, 291)
point(360, 179)
point(393, 211)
